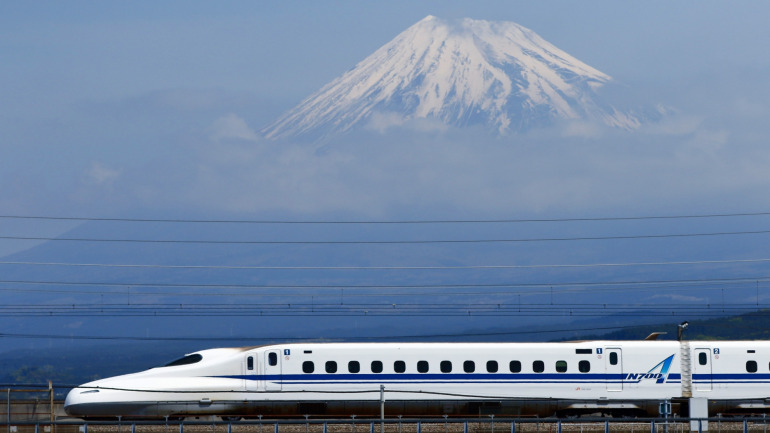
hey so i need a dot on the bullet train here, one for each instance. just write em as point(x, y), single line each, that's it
point(617, 378)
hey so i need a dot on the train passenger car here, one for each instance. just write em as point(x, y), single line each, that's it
point(733, 376)
point(423, 379)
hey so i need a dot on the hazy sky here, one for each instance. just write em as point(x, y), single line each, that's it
point(154, 107)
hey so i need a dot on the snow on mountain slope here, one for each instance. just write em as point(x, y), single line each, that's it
point(498, 74)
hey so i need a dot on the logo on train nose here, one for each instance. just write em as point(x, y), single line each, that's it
point(659, 376)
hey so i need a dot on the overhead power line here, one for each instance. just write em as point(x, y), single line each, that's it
point(564, 285)
point(427, 221)
point(384, 242)
point(335, 309)
point(306, 339)
point(337, 268)
point(544, 311)
point(387, 295)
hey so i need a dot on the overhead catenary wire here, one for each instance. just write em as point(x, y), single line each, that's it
point(715, 311)
point(383, 242)
point(416, 289)
point(426, 221)
point(375, 310)
point(316, 339)
point(318, 310)
point(344, 338)
point(296, 268)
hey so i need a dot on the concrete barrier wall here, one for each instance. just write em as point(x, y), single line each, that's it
point(31, 410)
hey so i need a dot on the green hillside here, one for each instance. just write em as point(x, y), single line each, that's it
point(750, 326)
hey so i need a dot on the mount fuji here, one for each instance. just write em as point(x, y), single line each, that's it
point(468, 72)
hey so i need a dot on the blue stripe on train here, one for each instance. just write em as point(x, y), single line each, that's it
point(583, 378)
point(494, 378)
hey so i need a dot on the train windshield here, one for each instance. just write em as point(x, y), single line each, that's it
point(186, 360)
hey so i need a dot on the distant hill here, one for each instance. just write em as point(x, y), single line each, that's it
point(749, 326)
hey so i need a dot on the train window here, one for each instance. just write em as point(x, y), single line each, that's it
point(422, 366)
point(702, 358)
point(354, 367)
point(331, 367)
point(491, 366)
point(538, 366)
point(272, 359)
point(189, 359)
point(469, 366)
point(250, 363)
point(751, 366)
point(376, 366)
point(584, 366)
point(446, 366)
point(399, 366)
point(515, 366)
point(613, 358)
point(584, 351)
point(561, 366)
point(308, 367)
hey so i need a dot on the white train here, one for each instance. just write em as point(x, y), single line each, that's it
point(699, 378)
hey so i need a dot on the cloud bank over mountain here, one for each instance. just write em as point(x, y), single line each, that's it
point(675, 164)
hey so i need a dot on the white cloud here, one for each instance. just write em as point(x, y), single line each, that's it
point(101, 175)
point(383, 172)
point(231, 127)
point(582, 129)
point(680, 298)
point(750, 108)
point(381, 122)
point(388, 121)
point(674, 125)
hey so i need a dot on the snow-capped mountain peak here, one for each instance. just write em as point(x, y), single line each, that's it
point(465, 72)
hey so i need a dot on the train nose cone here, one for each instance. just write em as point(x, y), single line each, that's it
point(86, 400)
point(74, 404)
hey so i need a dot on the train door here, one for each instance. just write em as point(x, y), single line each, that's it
point(701, 374)
point(613, 368)
point(272, 370)
point(250, 372)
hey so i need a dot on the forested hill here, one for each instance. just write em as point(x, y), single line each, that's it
point(750, 326)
